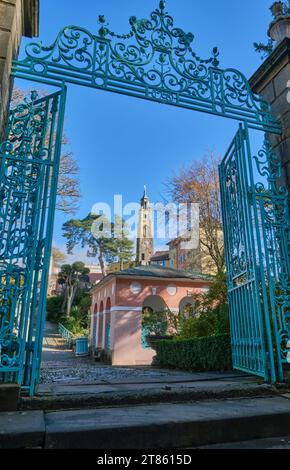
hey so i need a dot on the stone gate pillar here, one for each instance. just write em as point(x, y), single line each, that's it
point(272, 82)
point(17, 18)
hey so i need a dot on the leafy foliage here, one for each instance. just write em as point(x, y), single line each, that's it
point(198, 354)
point(211, 313)
point(54, 308)
point(209, 318)
point(76, 323)
point(71, 277)
point(101, 238)
point(84, 302)
point(264, 49)
point(160, 323)
point(155, 322)
point(212, 323)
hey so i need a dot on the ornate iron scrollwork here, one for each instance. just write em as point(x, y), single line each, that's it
point(28, 160)
point(273, 204)
point(257, 240)
point(154, 61)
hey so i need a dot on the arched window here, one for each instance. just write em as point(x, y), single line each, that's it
point(187, 307)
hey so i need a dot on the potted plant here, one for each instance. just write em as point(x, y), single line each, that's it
point(156, 326)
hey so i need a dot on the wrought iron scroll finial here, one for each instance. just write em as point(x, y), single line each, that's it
point(103, 31)
point(162, 5)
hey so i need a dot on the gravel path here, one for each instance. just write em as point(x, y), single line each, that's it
point(59, 365)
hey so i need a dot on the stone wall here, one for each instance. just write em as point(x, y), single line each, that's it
point(17, 18)
point(272, 81)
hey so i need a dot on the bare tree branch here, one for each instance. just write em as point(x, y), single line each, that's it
point(199, 184)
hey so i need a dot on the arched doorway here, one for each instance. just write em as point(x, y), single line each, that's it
point(154, 303)
point(108, 327)
point(100, 325)
point(94, 326)
point(152, 313)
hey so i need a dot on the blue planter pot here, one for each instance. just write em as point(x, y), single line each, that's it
point(82, 347)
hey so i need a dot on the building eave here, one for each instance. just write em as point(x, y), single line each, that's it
point(103, 282)
point(112, 276)
point(167, 279)
point(279, 57)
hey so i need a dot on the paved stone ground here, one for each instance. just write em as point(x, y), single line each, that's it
point(81, 399)
point(60, 365)
point(67, 381)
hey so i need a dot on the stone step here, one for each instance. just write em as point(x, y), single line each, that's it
point(164, 426)
point(169, 426)
point(282, 443)
point(22, 430)
point(69, 397)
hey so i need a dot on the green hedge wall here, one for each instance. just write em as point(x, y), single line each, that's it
point(199, 354)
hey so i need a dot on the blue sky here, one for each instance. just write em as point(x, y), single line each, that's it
point(122, 143)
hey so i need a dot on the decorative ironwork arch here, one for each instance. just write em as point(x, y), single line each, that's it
point(154, 61)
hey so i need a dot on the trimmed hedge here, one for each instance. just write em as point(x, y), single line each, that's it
point(198, 354)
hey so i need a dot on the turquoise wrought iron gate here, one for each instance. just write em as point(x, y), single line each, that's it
point(256, 227)
point(155, 61)
point(28, 183)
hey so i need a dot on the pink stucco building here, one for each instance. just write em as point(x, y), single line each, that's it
point(118, 302)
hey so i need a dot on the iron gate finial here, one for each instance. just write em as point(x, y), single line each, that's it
point(162, 5)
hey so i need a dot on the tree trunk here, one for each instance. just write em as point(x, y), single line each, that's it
point(70, 298)
point(68, 307)
point(102, 264)
point(64, 303)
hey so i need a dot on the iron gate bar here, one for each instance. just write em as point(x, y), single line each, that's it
point(154, 61)
point(56, 84)
point(246, 319)
point(28, 183)
point(261, 203)
point(265, 235)
point(48, 236)
point(247, 154)
point(273, 203)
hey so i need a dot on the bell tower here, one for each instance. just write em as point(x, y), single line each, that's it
point(145, 243)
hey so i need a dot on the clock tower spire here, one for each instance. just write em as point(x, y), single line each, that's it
point(145, 243)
